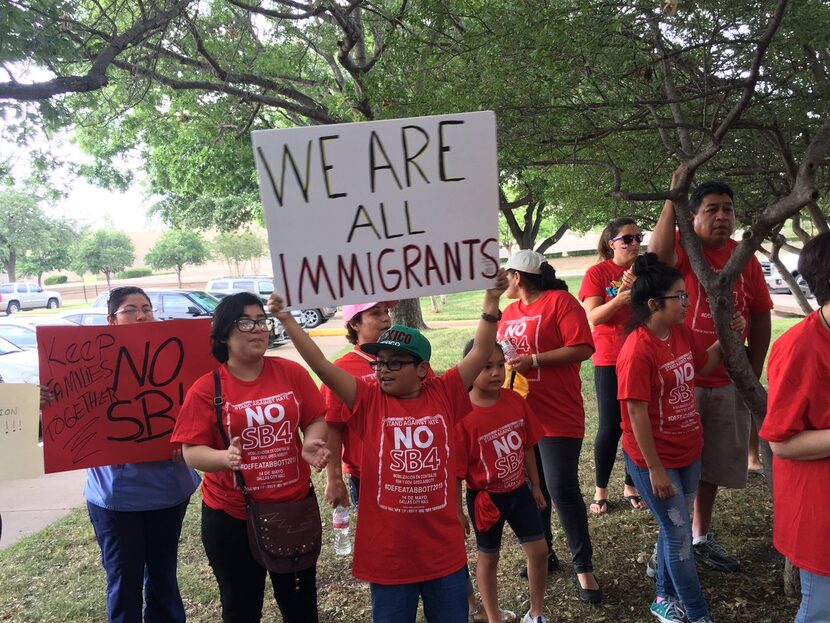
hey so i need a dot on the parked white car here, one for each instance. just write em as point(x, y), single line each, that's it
point(17, 365)
point(17, 295)
point(262, 286)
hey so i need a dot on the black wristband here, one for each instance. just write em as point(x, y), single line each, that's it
point(490, 317)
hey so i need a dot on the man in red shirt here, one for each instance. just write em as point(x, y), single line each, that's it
point(726, 420)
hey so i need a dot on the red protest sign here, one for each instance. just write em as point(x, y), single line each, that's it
point(117, 389)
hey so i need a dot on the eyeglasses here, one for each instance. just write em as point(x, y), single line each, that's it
point(134, 311)
point(629, 238)
point(683, 296)
point(248, 325)
point(392, 366)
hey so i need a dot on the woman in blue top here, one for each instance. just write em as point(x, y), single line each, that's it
point(137, 510)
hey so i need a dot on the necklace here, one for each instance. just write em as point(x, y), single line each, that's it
point(821, 313)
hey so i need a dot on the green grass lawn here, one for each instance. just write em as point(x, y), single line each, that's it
point(55, 575)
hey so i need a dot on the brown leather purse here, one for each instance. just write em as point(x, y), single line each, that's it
point(284, 537)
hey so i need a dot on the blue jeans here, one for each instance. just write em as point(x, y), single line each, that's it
point(445, 600)
point(815, 598)
point(676, 570)
point(139, 550)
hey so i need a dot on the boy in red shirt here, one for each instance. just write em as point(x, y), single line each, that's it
point(409, 542)
point(495, 447)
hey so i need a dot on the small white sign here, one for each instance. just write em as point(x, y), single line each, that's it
point(380, 210)
point(20, 454)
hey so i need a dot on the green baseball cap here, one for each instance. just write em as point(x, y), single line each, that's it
point(398, 337)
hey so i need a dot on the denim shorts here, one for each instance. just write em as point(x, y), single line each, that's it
point(518, 509)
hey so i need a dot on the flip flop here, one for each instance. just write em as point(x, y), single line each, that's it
point(636, 502)
point(603, 505)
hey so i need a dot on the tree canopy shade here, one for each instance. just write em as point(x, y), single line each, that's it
point(103, 251)
point(597, 102)
point(176, 249)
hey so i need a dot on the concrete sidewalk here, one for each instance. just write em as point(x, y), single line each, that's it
point(28, 506)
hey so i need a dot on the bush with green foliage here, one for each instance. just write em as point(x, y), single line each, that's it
point(132, 273)
point(55, 279)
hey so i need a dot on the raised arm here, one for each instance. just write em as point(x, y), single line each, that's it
point(662, 240)
point(338, 380)
point(485, 337)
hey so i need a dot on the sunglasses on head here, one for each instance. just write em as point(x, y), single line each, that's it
point(629, 238)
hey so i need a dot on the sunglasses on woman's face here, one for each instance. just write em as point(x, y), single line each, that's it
point(628, 239)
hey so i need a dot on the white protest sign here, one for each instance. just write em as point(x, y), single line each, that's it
point(380, 210)
point(20, 455)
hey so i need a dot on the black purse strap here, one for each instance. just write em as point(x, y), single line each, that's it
point(217, 404)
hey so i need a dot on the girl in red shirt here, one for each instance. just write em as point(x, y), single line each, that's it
point(662, 434)
point(550, 332)
point(605, 294)
point(267, 403)
point(798, 429)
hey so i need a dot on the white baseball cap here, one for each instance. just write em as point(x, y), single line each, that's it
point(526, 261)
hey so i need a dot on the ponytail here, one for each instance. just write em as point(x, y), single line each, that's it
point(545, 280)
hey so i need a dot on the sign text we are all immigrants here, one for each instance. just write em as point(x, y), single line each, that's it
point(380, 210)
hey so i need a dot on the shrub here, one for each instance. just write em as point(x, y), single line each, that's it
point(132, 273)
point(55, 279)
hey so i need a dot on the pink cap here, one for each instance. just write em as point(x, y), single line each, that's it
point(350, 311)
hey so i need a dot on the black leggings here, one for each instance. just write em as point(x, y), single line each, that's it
point(608, 428)
point(558, 458)
point(242, 579)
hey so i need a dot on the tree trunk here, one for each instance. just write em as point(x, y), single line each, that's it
point(433, 304)
point(107, 275)
point(11, 265)
point(40, 279)
point(408, 314)
point(792, 579)
point(179, 275)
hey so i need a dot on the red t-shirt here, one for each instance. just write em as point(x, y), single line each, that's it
point(798, 372)
point(267, 414)
point(409, 530)
point(355, 363)
point(662, 373)
point(604, 280)
point(751, 296)
point(554, 320)
point(491, 443)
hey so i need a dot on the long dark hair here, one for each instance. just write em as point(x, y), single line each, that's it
point(226, 313)
point(654, 279)
point(117, 296)
point(611, 230)
point(546, 280)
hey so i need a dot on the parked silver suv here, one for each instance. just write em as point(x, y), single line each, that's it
point(262, 286)
point(17, 295)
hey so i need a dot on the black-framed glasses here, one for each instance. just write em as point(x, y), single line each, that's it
point(249, 325)
point(683, 297)
point(393, 366)
point(629, 238)
point(134, 311)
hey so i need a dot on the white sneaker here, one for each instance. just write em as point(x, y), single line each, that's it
point(529, 619)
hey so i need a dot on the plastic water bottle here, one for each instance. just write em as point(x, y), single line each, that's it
point(340, 523)
point(508, 348)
